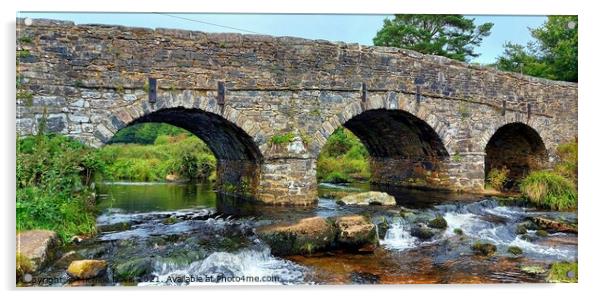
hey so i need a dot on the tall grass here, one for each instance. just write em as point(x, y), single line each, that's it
point(550, 190)
point(343, 159)
point(183, 155)
point(53, 174)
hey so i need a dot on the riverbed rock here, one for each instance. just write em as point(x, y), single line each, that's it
point(304, 237)
point(37, 246)
point(383, 227)
point(86, 269)
point(66, 259)
point(356, 232)
point(438, 222)
point(368, 198)
point(422, 232)
point(134, 269)
point(483, 249)
point(554, 225)
point(174, 178)
point(515, 250)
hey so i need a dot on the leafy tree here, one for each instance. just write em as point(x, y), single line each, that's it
point(552, 55)
point(146, 133)
point(453, 36)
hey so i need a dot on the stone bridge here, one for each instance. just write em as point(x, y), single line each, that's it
point(266, 105)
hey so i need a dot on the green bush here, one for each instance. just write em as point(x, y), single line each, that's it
point(497, 178)
point(282, 139)
point(183, 154)
point(550, 190)
point(343, 159)
point(564, 272)
point(568, 160)
point(53, 173)
point(337, 178)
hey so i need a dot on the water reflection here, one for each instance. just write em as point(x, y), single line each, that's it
point(131, 197)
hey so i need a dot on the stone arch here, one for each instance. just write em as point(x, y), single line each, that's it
point(238, 157)
point(390, 101)
point(405, 141)
point(517, 147)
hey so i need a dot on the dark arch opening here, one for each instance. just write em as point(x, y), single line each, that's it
point(238, 158)
point(403, 149)
point(516, 147)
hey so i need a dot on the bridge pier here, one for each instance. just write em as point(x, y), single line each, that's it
point(287, 181)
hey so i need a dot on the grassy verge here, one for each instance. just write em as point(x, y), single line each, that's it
point(563, 272)
point(343, 159)
point(53, 175)
point(550, 190)
point(555, 189)
point(183, 156)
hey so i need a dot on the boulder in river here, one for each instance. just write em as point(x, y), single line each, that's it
point(134, 269)
point(422, 232)
point(383, 227)
point(483, 249)
point(37, 246)
point(304, 237)
point(86, 269)
point(554, 225)
point(438, 222)
point(356, 232)
point(368, 198)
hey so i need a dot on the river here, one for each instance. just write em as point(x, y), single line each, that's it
point(186, 234)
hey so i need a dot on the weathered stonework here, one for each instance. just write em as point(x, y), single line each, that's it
point(425, 120)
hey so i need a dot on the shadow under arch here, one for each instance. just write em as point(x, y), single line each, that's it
point(516, 147)
point(238, 157)
point(404, 149)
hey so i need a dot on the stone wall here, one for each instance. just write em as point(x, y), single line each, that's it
point(91, 80)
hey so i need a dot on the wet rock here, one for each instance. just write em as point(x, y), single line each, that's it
point(86, 269)
point(515, 250)
point(541, 233)
point(483, 249)
point(368, 198)
point(170, 220)
point(521, 229)
point(174, 178)
point(134, 269)
point(439, 223)
point(406, 213)
point(37, 246)
point(554, 225)
point(363, 278)
point(64, 261)
point(533, 269)
point(422, 232)
point(355, 232)
point(93, 252)
point(383, 227)
point(305, 237)
point(113, 227)
point(563, 272)
point(458, 231)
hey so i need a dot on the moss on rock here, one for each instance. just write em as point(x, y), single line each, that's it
point(484, 249)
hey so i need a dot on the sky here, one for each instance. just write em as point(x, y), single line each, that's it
point(347, 28)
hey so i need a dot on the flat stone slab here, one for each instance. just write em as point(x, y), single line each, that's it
point(37, 246)
point(368, 198)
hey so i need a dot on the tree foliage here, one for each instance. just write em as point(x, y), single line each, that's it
point(146, 133)
point(453, 36)
point(553, 54)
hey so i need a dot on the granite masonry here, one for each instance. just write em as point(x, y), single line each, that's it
point(426, 120)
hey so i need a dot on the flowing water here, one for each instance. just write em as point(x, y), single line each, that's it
point(189, 235)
